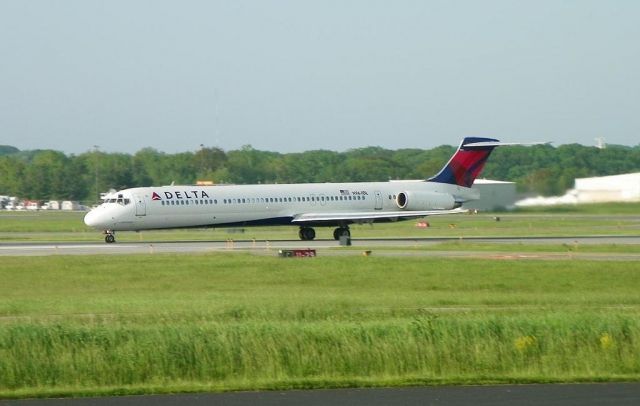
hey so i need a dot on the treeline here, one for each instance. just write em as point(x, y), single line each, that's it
point(53, 175)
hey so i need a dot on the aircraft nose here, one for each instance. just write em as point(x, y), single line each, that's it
point(91, 219)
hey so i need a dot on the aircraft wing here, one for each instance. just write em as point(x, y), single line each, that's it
point(370, 215)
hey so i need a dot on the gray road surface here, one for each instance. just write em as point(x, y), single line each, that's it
point(619, 394)
point(328, 247)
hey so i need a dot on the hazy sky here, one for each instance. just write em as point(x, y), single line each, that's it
point(299, 75)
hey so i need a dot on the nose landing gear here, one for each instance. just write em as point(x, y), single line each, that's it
point(110, 236)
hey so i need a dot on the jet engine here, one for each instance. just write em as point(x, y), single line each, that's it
point(416, 201)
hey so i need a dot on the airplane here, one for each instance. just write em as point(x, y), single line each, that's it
point(306, 205)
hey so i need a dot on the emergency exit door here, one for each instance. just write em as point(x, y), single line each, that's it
point(378, 197)
point(141, 206)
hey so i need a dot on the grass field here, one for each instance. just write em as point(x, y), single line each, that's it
point(159, 323)
point(613, 219)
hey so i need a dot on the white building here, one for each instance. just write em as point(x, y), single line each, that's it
point(615, 188)
point(494, 195)
point(70, 205)
point(51, 205)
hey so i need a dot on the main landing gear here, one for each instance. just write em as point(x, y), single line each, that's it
point(307, 233)
point(109, 237)
point(341, 231)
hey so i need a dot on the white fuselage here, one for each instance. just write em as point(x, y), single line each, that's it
point(227, 205)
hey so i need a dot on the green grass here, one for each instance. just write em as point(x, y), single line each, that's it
point(469, 245)
point(158, 323)
point(68, 226)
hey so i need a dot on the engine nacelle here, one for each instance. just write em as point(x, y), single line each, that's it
point(416, 201)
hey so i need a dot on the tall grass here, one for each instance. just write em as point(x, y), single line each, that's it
point(485, 347)
point(177, 322)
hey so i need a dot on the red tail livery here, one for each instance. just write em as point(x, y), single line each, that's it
point(467, 163)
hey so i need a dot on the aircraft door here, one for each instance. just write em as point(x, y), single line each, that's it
point(378, 197)
point(141, 206)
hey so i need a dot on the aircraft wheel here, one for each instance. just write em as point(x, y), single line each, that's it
point(307, 233)
point(340, 231)
point(109, 238)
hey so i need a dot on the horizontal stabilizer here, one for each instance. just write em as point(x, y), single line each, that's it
point(502, 144)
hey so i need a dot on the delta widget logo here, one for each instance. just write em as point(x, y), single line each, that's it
point(181, 194)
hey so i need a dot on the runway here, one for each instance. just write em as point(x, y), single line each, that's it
point(619, 394)
point(378, 246)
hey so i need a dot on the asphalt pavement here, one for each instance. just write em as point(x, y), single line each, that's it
point(619, 394)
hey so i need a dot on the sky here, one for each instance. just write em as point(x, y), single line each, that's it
point(299, 75)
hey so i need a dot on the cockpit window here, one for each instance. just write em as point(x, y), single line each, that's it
point(119, 200)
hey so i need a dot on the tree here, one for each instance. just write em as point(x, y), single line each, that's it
point(208, 160)
point(8, 150)
point(11, 175)
point(44, 175)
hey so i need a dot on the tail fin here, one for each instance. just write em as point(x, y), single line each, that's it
point(467, 163)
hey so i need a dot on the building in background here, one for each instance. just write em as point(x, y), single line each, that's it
point(615, 188)
point(494, 195)
point(71, 205)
